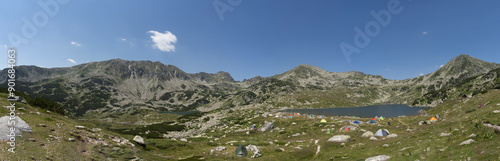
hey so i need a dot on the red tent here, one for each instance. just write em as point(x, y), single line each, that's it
point(374, 119)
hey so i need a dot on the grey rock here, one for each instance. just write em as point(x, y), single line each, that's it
point(267, 126)
point(71, 139)
point(80, 127)
point(367, 134)
point(392, 136)
point(445, 134)
point(340, 138)
point(255, 150)
point(467, 142)
point(20, 126)
point(139, 140)
point(220, 148)
point(378, 158)
point(373, 138)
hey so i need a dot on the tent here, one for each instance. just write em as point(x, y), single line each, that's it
point(382, 132)
point(356, 122)
point(348, 128)
point(433, 119)
point(437, 116)
point(329, 131)
point(241, 151)
point(372, 121)
point(381, 118)
point(323, 121)
point(427, 122)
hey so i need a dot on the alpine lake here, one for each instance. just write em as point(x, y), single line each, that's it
point(392, 110)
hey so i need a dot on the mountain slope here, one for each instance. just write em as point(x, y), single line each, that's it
point(120, 86)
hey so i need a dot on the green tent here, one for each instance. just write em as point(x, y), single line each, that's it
point(241, 151)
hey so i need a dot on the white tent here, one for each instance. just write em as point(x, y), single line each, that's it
point(382, 132)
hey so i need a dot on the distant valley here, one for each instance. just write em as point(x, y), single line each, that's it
point(121, 87)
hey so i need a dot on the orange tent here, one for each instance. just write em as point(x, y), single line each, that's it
point(374, 119)
point(433, 119)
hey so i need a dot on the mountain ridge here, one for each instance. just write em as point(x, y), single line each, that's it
point(121, 85)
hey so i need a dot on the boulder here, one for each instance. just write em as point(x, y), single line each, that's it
point(496, 111)
point(367, 134)
point(139, 140)
point(472, 136)
point(19, 126)
point(467, 142)
point(220, 148)
point(445, 134)
point(373, 138)
point(340, 138)
point(255, 150)
point(267, 126)
point(392, 136)
point(378, 158)
point(184, 140)
point(80, 127)
point(71, 139)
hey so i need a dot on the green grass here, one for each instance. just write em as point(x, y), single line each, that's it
point(460, 114)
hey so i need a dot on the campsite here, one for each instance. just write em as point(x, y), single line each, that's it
point(299, 136)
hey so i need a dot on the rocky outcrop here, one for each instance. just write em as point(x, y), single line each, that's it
point(340, 138)
point(17, 123)
point(139, 140)
point(367, 134)
point(378, 158)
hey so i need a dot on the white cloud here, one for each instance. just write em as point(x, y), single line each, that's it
point(425, 33)
point(75, 43)
point(163, 41)
point(72, 61)
point(421, 74)
point(126, 41)
point(441, 66)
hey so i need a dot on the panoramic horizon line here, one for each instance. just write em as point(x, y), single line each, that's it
point(120, 59)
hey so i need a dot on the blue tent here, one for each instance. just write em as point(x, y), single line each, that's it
point(372, 121)
point(356, 122)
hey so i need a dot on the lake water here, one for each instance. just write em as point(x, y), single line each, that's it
point(365, 111)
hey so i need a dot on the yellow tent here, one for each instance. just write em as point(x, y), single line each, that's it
point(323, 120)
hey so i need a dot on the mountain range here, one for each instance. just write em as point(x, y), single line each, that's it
point(122, 87)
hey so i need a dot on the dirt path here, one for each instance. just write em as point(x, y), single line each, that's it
point(403, 123)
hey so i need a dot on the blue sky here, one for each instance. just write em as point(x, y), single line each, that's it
point(255, 37)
